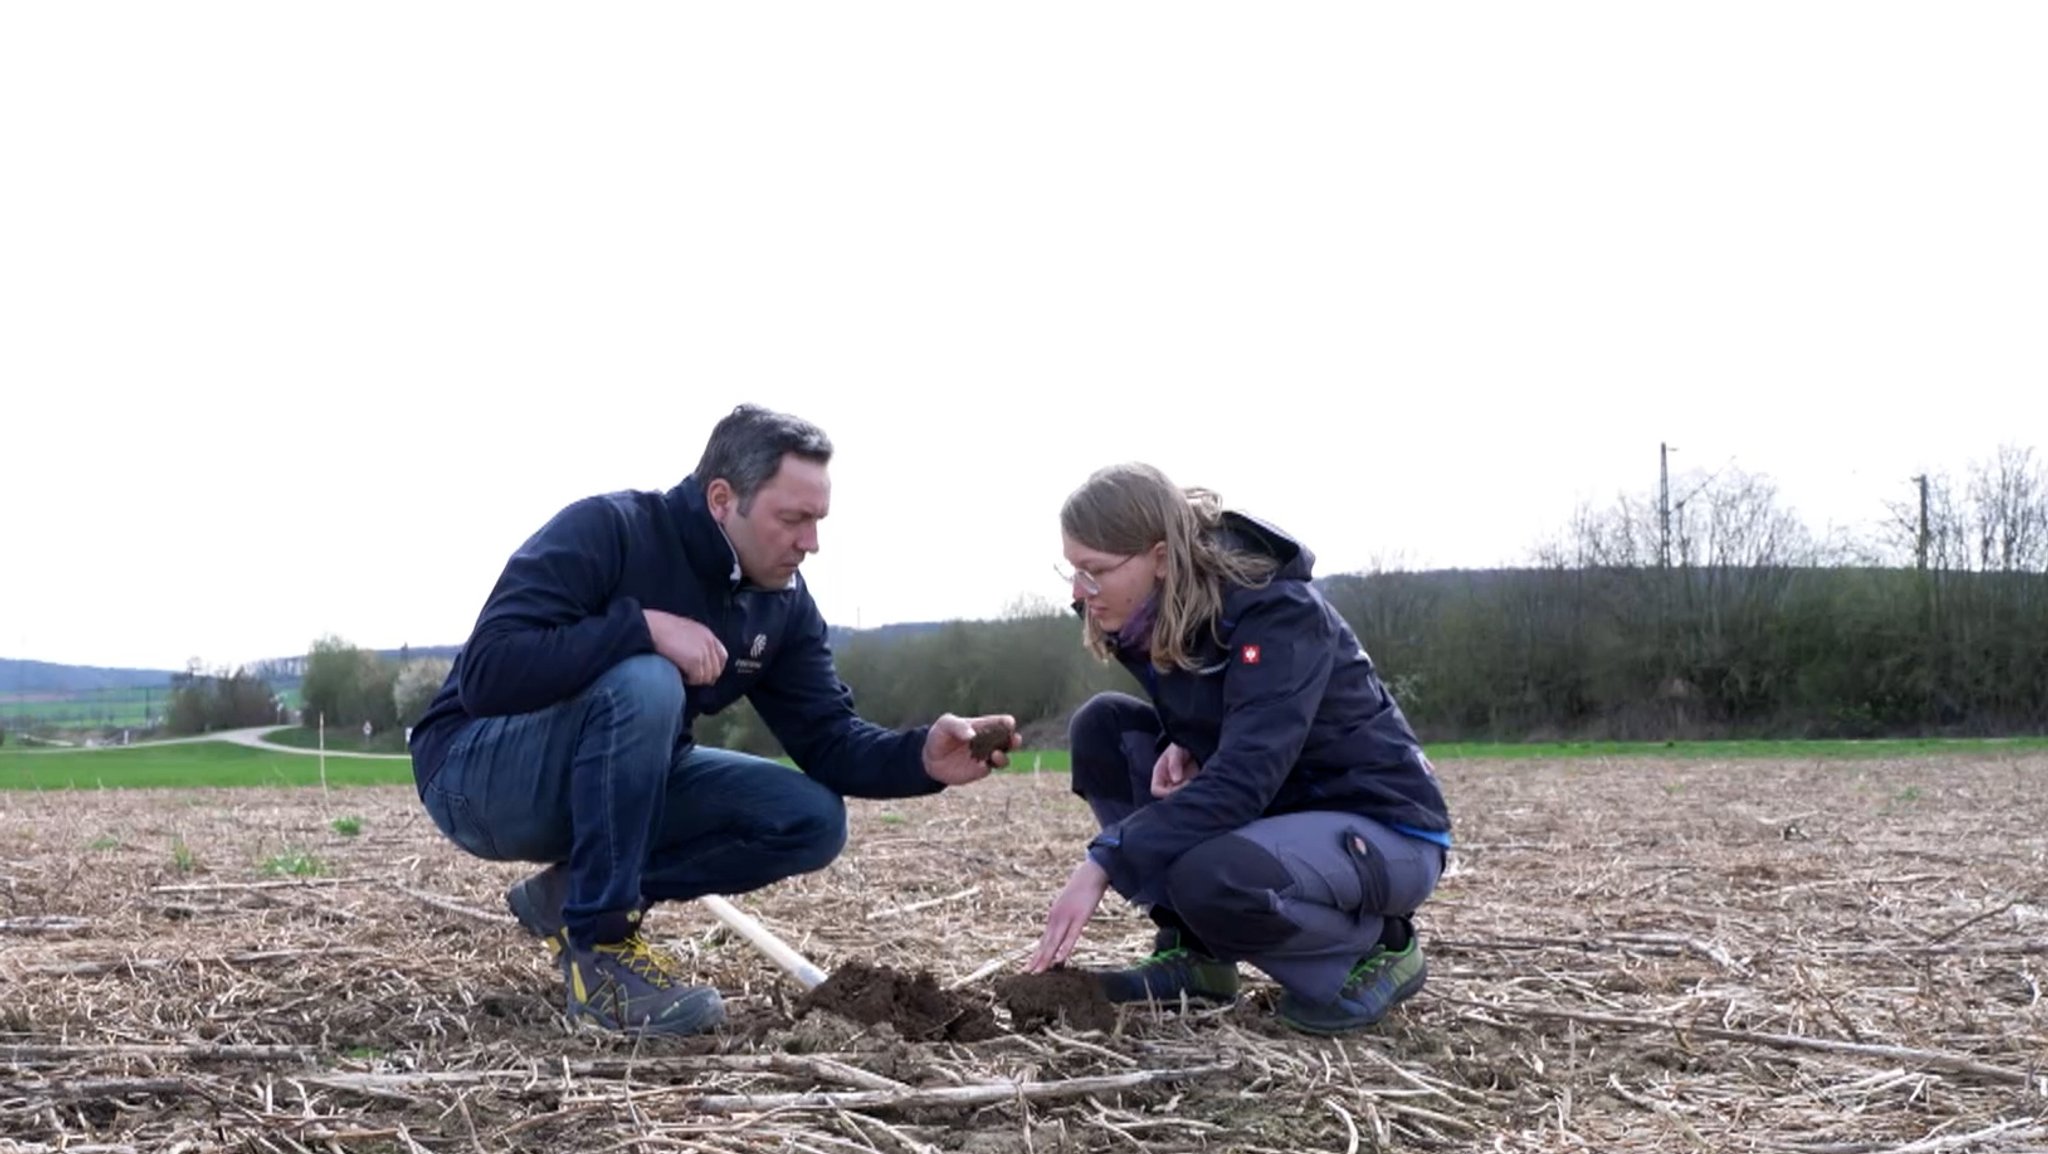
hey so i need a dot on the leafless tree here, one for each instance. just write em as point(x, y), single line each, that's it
point(2008, 517)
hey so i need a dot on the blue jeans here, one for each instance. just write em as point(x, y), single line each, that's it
point(1302, 896)
point(598, 781)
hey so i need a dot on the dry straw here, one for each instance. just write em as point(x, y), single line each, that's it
point(1810, 958)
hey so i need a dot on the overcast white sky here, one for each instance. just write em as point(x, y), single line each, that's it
point(309, 314)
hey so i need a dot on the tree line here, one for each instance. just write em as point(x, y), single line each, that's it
point(203, 700)
point(1721, 614)
point(343, 685)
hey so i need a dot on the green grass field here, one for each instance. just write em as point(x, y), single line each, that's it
point(96, 708)
point(189, 766)
point(1741, 750)
point(212, 763)
point(1056, 759)
point(109, 708)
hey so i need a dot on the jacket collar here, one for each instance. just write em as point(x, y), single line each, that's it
point(704, 541)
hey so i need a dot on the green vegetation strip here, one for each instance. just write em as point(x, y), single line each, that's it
point(195, 765)
point(1822, 750)
point(1782, 750)
point(212, 763)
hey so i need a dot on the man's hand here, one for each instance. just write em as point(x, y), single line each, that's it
point(947, 757)
point(1070, 912)
point(1172, 770)
point(688, 645)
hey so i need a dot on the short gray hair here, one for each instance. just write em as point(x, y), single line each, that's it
point(748, 444)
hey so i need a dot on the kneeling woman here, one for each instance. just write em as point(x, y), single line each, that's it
point(1266, 799)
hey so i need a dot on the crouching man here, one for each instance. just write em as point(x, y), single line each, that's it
point(563, 733)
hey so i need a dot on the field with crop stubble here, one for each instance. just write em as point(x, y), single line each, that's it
point(1818, 956)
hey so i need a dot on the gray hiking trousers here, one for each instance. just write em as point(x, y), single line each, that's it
point(1301, 896)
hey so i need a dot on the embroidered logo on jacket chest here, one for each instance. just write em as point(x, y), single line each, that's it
point(751, 663)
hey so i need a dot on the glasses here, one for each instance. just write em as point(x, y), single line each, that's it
point(1091, 582)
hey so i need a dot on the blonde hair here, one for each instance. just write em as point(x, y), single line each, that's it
point(1125, 510)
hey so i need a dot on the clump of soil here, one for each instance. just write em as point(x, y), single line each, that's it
point(913, 1005)
point(988, 738)
point(1045, 998)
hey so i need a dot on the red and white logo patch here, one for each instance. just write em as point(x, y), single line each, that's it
point(1249, 655)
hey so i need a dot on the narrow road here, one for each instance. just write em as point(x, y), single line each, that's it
point(254, 738)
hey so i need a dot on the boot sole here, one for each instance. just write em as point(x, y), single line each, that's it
point(589, 1021)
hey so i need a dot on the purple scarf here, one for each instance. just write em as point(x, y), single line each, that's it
point(1134, 641)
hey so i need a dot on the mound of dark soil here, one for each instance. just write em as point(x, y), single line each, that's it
point(1035, 999)
point(913, 1004)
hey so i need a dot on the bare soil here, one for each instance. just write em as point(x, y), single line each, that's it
point(1815, 957)
point(1059, 997)
point(912, 1004)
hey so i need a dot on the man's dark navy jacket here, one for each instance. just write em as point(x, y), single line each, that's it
point(1285, 714)
point(569, 606)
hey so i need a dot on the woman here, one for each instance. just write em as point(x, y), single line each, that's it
point(1267, 801)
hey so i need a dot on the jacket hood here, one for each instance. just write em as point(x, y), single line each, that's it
point(1297, 561)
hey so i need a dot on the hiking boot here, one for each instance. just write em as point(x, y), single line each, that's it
point(537, 902)
point(633, 989)
point(1175, 967)
point(1379, 982)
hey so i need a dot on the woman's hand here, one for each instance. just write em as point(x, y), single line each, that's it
point(1172, 770)
point(1070, 912)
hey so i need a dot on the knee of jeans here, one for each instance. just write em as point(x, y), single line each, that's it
point(646, 685)
point(816, 832)
point(1096, 749)
point(1224, 889)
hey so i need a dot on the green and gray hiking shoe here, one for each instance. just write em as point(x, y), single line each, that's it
point(1173, 969)
point(1384, 979)
point(631, 988)
point(537, 902)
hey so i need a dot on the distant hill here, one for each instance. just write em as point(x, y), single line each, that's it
point(838, 635)
point(44, 677)
point(19, 676)
point(416, 652)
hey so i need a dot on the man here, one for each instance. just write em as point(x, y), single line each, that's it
point(563, 733)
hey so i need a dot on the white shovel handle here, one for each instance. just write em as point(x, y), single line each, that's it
point(757, 934)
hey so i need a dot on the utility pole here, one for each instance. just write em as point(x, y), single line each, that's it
point(1663, 505)
point(1922, 545)
point(1920, 550)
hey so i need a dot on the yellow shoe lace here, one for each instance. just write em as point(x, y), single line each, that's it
point(658, 967)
